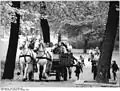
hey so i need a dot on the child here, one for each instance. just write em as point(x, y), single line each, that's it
point(78, 70)
point(115, 68)
point(82, 60)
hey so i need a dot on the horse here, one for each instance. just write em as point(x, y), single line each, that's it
point(26, 59)
point(43, 58)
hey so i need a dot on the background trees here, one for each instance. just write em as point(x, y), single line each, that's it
point(74, 18)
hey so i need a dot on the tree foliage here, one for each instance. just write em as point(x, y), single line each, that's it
point(79, 12)
point(59, 14)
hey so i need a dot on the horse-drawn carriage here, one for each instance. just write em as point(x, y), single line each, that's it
point(43, 60)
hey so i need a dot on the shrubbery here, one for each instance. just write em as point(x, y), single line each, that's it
point(79, 44)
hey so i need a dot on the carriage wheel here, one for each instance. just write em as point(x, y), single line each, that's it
point(65, 74)
point(40, 74)
point(57, 75)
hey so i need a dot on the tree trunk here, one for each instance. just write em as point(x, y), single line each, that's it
point(59, 37)
point(100, 46)
point(44, 23)
point(45, 30)
point(85, 45)
point(108, 44)
point(12, 48)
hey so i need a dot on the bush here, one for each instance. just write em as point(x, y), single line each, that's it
point(79, 44)
point(93, 44)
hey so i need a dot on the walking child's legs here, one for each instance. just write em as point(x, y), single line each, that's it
point(77, 75)
point(94, 72)
point(114, 75)
point(70, 72)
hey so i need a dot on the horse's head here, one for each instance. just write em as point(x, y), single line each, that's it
point(27, 43)
point(39, 46)
point(36, 45)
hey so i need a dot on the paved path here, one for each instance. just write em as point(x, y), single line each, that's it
point(51, 83)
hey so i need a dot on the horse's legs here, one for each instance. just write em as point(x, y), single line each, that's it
point(25, 73)
point(48, 67)
point(30, 72)
point(40, 72)
point(38, 68)
point(22, 67)
point(44, 71)
point(69, 71)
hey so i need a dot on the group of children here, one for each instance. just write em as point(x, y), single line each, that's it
point(95, 55)
point(80, 64)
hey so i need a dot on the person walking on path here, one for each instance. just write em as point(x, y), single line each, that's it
point(115, 68)
point(95, 64)
point(78, 70)
point(73, 60)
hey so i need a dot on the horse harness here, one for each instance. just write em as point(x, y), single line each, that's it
point(25, 55)
point(41, 57)
point(42, 51)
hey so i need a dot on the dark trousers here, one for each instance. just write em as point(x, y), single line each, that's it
point(94, 69)
point(114, 74)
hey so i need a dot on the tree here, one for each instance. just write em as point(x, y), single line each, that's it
point(45, 30)
point(59, 37)
point(44, 23)
point(13, 41)
point(108, 43)
point(85, 44)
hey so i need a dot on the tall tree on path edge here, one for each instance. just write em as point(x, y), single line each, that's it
point(103, 73)
point(13, 42)
point(44, 23)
